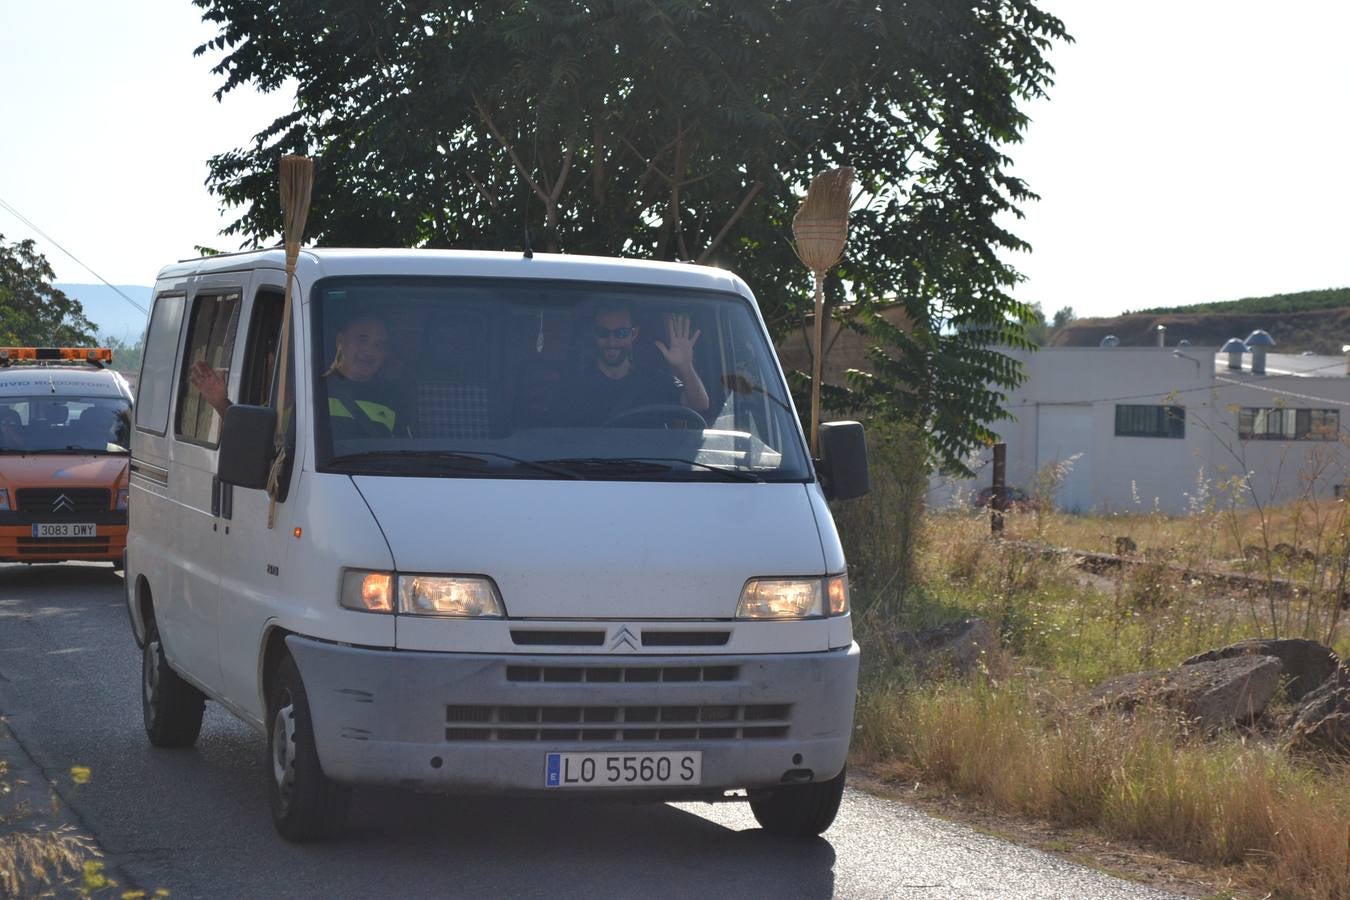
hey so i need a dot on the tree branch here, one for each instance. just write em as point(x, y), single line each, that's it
point(515, 158)
point(735, 217)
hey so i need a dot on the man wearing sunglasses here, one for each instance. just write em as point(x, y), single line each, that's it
point(616, 382)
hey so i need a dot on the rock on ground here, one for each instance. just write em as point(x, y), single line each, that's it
point(1306, 663)
point(1323, 721)
point(1215, 694)
point(958, 647)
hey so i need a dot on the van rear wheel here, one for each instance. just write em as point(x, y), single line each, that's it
point(306, 804)
point(171, 707)
point(799, 810)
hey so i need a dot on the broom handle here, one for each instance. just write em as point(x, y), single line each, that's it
point(817, 362)
point(283, 361)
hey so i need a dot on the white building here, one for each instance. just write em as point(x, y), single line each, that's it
point(1145, 427)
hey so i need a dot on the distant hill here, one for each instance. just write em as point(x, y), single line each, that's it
point(111, 313)
point(1303, 301)
point(1311, 320)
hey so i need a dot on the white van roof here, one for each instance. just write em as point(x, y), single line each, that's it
point(58, 381)
point(319, 262)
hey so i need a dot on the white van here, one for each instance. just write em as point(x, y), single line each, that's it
point(545, 525)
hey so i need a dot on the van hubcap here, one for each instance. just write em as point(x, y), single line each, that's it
point(283, 752)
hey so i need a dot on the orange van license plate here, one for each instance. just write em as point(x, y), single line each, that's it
point(65, 530)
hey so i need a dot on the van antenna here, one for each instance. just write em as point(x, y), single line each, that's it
point(525, 207)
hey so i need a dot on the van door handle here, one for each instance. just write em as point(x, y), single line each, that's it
point(226, 502)
point(215, 495)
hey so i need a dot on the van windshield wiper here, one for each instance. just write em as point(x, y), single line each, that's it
point(642, 465)
point(470, 460)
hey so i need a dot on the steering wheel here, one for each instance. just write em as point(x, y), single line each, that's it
point(656, 415)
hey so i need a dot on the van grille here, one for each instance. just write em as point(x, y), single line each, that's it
point(617, 723)
point(621, 674)
point(535, 638)
point(48, 500)
point(685, 638)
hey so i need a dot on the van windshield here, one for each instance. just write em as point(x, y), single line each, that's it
point(64, 424)
point(517, 378)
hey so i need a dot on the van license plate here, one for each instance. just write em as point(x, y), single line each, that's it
point(65, 530)
point(601, 770)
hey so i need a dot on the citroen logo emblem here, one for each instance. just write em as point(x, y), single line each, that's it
point(623, 637)
point(63, 504)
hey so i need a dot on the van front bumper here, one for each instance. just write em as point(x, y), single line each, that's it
point(17, 543)
point(460, 722)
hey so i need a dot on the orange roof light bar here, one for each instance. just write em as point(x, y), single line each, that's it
point(63, 354)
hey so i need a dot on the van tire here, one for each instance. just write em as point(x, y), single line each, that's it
point(171, 707)
point(306, 804)
point(799, 810)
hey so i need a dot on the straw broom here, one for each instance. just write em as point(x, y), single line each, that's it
point(821, 229)
point(297, 181)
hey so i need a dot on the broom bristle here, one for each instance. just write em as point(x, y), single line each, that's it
point(821, 223)
point(297, 181)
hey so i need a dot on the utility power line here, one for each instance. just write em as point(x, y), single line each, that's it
point(18, 215)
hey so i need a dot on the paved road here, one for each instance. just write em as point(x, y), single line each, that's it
point(196, 821)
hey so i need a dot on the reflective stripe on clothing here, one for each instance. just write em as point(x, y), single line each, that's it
point(375, 412)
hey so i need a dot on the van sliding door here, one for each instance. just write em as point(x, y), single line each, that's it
point(213, 319)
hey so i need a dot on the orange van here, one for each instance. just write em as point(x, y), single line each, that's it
point(64, 448)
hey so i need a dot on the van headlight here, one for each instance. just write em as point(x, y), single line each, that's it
point(457, 596)
point(4, 500)
point(793, 598)
point(461, 596)
point(121, 505)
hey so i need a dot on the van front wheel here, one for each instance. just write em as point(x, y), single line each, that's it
point(306, 804)
point(798, 810)
point(171, 707)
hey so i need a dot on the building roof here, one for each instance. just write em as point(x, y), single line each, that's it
point(1290, 364)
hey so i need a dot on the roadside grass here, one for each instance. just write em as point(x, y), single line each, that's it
point(37, 860)
point(1017, 734)
point(1225, 801)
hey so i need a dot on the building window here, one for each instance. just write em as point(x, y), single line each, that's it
point(1151, 421)
point(1257, 424)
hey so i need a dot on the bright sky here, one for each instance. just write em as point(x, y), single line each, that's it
point(1190, 151)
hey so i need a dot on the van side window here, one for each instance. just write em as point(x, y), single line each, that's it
point(161, 348)
point(264, 334)
point(210, 337)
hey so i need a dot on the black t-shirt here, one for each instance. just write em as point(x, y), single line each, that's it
point(365, 409)
point(590, 397)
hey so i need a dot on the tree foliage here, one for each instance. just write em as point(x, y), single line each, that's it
point(1037, 331)
point(32, 312)
point(675, 129)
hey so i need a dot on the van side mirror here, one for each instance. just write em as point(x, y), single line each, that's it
point(247, 438)
point(843, 460)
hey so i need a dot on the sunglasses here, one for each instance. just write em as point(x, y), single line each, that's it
point(623, 332)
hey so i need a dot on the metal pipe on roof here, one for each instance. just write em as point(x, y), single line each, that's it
point(1257, 342)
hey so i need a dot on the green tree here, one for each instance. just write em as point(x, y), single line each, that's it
point(1062, 317)
point(126, 356)
point(32, 312)
point(675, 129)
point(1038, 332)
